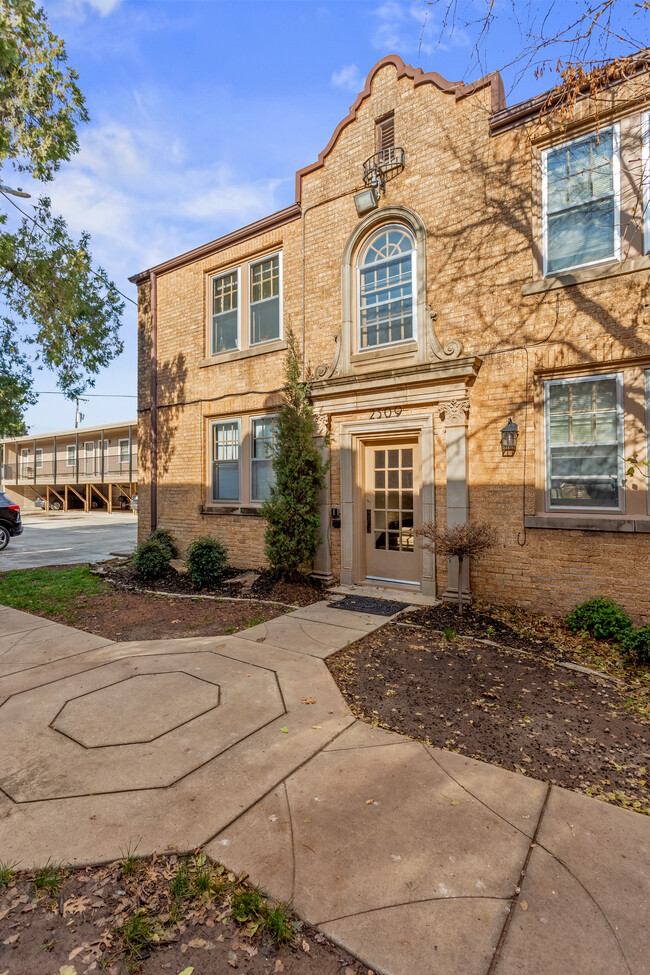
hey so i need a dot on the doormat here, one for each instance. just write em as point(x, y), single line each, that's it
point(366, 604)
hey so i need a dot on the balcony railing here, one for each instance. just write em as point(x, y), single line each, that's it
point(89, 470)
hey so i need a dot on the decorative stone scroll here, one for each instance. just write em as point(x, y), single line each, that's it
point(450, 350)
point(454, 411)
point(328, 370)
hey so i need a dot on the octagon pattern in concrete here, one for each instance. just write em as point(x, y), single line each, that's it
point(419, 861)
point(136, 710)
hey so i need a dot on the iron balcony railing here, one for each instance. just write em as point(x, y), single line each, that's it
point(87, 470)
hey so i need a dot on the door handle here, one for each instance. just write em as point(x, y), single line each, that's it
point(368, 521)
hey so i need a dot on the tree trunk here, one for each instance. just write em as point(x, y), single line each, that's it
point(460, 585)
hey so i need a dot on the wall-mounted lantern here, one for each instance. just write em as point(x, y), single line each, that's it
point(367, 200)
point(509, 435)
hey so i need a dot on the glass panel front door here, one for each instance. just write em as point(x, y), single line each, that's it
point(392, 511)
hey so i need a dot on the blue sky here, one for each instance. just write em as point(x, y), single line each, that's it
point(201, 111)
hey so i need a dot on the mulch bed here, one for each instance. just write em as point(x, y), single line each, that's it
point(81, 925)
point(265, 587)
point(516, 708)
point(118, 614)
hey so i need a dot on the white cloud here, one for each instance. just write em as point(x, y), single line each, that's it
point(348, 77)
point(77, 8)
point(405, 27)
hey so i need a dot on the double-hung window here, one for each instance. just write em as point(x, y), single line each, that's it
point(262, 445)
point(124, 453)
point(386, 286)
point(38, 458)
point(581, 202)
point(71, 455)
point(585, 442)
point(225, 312)
point(264, 299)
point(225, 461)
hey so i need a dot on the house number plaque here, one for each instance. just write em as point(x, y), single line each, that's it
point(390, 411)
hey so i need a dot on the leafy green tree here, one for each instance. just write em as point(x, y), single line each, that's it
point(56, 307)
point(292, 511)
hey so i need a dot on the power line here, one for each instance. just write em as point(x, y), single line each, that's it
point(48, 234)
point(58, 392)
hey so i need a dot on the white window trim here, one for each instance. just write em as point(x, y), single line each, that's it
point(24, 461)
point(123, 440)
point(38, 458)
point(89, 458)
point(645, 180)
point(616, 180)
point(229, 502)
point(260, 416)
point(213, 277)
point(250, 305)
point(414, 292)
point(70, 447)
point(620, 418)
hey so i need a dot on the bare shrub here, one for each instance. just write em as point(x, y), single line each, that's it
point(462, 541)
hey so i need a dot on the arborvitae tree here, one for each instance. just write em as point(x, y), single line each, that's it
point(292, 511)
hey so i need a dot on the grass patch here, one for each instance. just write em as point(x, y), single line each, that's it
point(130, 863)
point(48, 879)
point(48, 592)
point(7, 871)
point(277, 924)
point(138, 934)
point(248, 904)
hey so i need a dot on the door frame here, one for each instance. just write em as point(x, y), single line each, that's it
point(353, 437)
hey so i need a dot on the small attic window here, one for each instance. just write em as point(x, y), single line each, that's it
point(385, 128)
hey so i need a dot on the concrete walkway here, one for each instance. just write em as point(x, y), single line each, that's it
point(419, 861)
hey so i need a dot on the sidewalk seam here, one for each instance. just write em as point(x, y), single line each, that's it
point(514, 900)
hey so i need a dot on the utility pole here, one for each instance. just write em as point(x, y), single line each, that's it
point(78, 417)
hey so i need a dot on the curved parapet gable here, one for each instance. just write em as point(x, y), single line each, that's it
point(419, 77)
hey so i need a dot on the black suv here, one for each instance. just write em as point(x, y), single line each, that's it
point(10, 523)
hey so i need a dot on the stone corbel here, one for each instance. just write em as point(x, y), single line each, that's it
point(454, 412)
point(328, 370)
point(450, 350)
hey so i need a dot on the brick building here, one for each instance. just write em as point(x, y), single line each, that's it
point(485, 264)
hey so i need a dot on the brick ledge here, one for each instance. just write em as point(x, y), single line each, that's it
point(587, 523)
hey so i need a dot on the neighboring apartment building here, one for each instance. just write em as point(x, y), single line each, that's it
point(497, 269)
point(86, 468)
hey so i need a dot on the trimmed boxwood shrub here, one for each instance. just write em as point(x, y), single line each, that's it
point(207, 561)
point(636, 646)
point(151, 559)
point(166, 539)
point(602, 617)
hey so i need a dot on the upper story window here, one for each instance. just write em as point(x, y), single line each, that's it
point(585, 443)
point(265, 289)
point(581, 202)
point(225, 312)
point(124, 452)
point(386, 286)
point(71, 455)
point(38, 457)
point(385, 133)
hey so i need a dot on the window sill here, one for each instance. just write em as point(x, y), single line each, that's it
point(387, 351)
point(244, 511)
point(262, 349)
point(588, 523)
point(585, 274)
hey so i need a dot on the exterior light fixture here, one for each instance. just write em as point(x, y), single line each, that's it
point(366, 200)
point(509, 435)
point(8, 189)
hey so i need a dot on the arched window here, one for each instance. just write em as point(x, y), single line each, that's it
point(386, 287)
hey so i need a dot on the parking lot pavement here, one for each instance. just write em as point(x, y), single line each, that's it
point(67, 538)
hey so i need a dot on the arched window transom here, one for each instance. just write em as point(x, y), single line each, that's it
point(386, 286)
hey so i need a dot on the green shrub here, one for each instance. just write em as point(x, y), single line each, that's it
point(166, 539)
point(151, 559)
point(635, 645)
point(602, 617)
point(207, 561)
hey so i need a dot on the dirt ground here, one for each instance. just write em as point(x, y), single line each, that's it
point(119, 614)
point(86, 925)
point(516, 708)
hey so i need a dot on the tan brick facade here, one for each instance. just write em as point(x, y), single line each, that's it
point(470, 197)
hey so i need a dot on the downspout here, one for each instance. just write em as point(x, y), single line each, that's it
point(153, 400)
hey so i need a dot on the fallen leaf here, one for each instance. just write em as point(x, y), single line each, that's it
point(309, 700)
point(187, 971)
point(455, 802)
point(198, 943)
point(279, 967)
point(67, 970)
point(76, 905)
point(11, 939)
point(285, 730)
point(77, 951)
point(523, 905)
point(369, 802)
point(273, 819)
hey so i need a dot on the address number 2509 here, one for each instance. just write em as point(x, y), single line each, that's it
point(390, 411)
